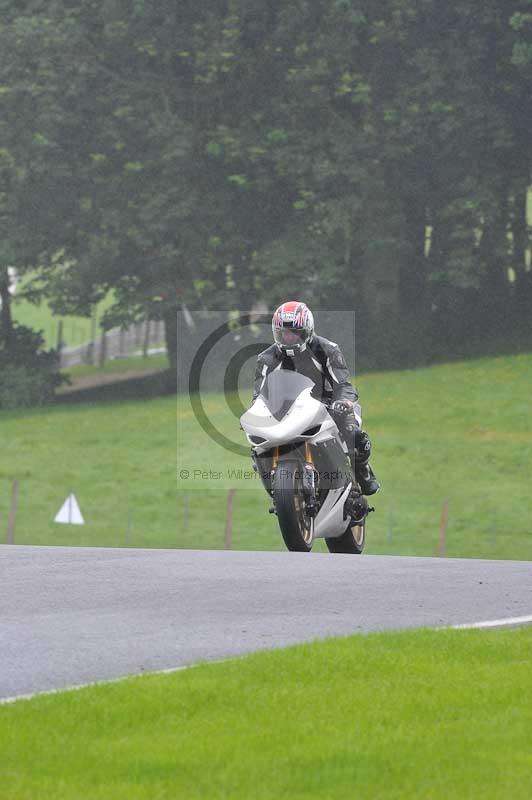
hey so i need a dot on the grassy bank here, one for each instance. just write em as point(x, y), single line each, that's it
point(457, 432)
point(76, 330)
point(136, 364)
point(421, 714)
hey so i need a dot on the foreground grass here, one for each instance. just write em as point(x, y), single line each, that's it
point(421, 714)
point(458, 432)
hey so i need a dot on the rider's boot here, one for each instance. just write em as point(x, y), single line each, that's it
point(366, 478)
point(364, 474)
point(360, 455)
point(359, 449)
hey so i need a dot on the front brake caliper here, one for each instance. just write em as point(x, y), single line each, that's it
point(309, 489)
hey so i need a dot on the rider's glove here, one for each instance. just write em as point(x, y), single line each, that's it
point(343, 407)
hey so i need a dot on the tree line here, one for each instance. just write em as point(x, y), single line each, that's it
point(367, 154)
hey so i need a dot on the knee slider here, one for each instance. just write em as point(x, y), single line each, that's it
point(363, 446)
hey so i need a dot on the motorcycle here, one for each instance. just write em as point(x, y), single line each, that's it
point(304, 466)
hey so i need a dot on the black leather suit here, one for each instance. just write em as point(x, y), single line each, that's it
point(321, 361)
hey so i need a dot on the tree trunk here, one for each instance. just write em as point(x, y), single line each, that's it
point(495, 294)
point(414, 303)
point(6, 320)
point(521, 238)
point(383, 251)
point(170, 331)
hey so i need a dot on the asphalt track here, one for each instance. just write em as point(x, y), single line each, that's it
point(70, 616)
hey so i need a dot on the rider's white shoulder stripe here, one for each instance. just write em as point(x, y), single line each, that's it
point(329, 367)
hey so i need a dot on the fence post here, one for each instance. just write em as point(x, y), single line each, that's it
point(228, 536)
point(391, 521)
point(128, 528)
point(494, 528)
point(146, 345)
point(60, 337)
point(444, 520)
point(92, 352)
point(103, 349)
point(185, 511)
point(12, 521)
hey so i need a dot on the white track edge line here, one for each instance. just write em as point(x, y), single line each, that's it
point(494, 623)
point(106, 682)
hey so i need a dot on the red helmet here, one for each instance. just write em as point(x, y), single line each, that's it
point(293, 327)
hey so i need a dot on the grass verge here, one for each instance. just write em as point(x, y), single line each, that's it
point(423, 714)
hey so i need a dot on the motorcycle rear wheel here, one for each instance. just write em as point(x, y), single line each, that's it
point(352, 541)
point(297, 528)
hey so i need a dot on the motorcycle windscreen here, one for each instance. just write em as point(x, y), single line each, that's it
point(281, 389)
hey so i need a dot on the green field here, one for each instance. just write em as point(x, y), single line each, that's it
point(424, 714)
point(76, 330)
point(458, 432)
point(119, 365)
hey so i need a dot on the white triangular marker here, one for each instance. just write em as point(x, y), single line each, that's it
point(69, 513)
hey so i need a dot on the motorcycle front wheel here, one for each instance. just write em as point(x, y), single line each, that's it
point(297, 527)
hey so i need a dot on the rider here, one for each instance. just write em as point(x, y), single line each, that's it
point(297, 347)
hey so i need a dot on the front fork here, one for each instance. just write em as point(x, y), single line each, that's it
point(310, 482)
point(356, 505)
point(309, 479)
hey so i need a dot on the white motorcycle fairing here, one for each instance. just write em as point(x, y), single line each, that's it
point(305, 414)
point(303, 419)
point(330, 518)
